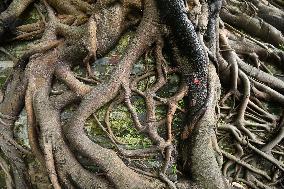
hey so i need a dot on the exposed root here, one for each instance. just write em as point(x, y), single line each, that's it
point(74, 33)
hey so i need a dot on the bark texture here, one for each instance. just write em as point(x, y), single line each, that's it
point(219, 126)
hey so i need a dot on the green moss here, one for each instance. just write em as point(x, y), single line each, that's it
point(174, 169)
point(121, 120)
point(146, 83)
point(20, 130)
point(31, 16)
point(123, 43)
point(123, 126)
point(181, 103)
point(161, 112)
point(281, 47)
point(139, 104)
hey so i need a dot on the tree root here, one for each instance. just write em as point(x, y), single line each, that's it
point(76, 32)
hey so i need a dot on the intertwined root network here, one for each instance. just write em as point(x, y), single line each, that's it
point(227, 55)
